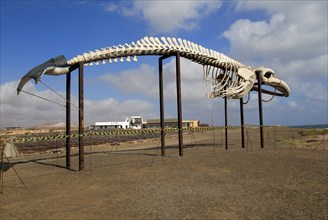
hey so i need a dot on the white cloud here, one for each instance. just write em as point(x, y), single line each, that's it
point(144, 80)
point(311, 91)
point(315, 67)
point(110, 7)
point(292, 105)
point(313, 10)
point(141, 80)
point(192, 87)
point(25, 110)
point(167, 16)
point(296, 30)
point(292, 40)
point(113, 110)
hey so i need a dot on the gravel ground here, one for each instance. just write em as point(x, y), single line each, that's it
point(209, 182)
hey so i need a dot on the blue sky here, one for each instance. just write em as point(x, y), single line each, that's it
point(288, 36)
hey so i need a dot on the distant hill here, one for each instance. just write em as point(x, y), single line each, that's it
point(310, 126)
point(52, 125)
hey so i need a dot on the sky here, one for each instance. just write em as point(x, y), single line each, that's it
point(289, 37)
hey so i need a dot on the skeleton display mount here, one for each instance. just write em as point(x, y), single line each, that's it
point(226, 77)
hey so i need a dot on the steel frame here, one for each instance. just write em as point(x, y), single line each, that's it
point(179, 105)
point(80, 68)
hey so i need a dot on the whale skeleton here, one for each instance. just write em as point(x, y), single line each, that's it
point(226, 76)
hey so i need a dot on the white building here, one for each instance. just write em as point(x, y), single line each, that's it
point(133, 122)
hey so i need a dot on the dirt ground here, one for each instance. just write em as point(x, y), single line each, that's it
point(132, 181)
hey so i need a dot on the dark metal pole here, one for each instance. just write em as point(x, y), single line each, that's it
point(242, 123)
point(1, 168)
point(161, 105)
point(68, 120)
point(260, 107)
point(81, 116)
point(178, 79)
point(226, 122)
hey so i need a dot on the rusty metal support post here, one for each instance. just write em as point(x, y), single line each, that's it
point(226, 122)
point(81, 116)
point(178, 81)
point(161, 104)
point(1, 167)
point(242, 122)
point(260, 107)
point(68, 120)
